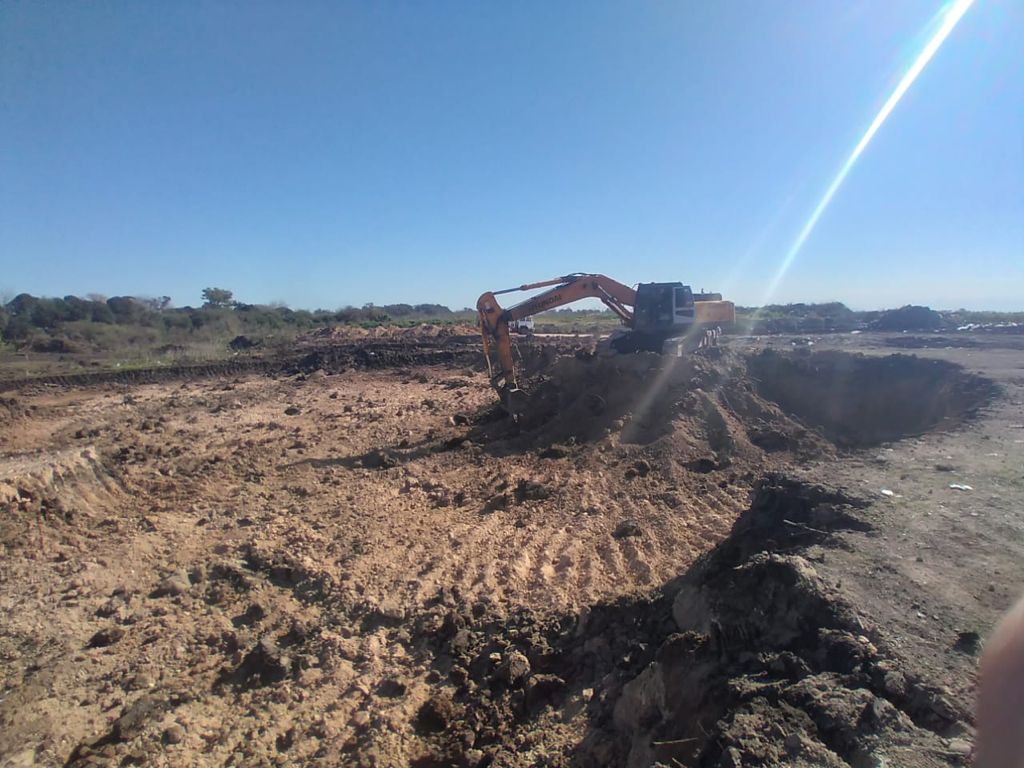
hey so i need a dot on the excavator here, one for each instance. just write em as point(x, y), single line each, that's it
point(668, 318)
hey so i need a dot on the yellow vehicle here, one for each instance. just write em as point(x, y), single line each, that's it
point(668, 318)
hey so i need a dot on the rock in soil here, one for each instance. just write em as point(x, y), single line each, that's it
point(105, 637)
point(177, 583)
point(514, 667)
point(136, 717)
point(627, 528)
point(174, 734)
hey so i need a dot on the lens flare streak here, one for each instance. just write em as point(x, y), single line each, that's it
point(951, 16)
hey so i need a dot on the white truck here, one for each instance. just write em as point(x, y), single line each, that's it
point(523, 326)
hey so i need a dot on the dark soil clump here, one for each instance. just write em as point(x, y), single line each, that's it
point(909, 318)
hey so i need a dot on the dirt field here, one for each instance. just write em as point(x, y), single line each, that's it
point(753, 557)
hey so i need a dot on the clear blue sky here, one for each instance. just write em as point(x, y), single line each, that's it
point(330, 153)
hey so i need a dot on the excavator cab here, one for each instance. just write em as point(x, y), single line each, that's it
point(663, 316)
point(663, 307)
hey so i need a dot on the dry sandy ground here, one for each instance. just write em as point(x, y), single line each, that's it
point(370, 567)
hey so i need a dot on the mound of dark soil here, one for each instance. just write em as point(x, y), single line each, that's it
point(386, 354)
point(909, 318)
point(860, 401)
point(701, 407)
point(772, 665)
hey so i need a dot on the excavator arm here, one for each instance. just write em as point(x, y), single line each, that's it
point(494, 319)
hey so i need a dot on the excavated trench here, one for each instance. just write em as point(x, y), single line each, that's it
point(858, 401)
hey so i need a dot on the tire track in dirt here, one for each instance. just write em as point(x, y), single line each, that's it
point(545, 547)
point(559, 561)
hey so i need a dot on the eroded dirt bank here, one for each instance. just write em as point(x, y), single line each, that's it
point(368, 565)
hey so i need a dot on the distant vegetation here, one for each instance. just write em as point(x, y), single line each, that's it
point(129, 330)
point(834, 317)
point(136, 330)
point(829, 317)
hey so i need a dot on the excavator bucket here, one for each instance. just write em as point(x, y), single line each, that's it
point(514, 400)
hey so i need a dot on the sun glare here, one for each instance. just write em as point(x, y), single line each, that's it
point(949, 16)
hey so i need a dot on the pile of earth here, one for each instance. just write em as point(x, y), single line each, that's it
point(356, 332)
point(909, 318)
point(718, 406)
point(62, 490)
point(703, 409)
point(12, 409)
point(771, 664)
point(338, 358)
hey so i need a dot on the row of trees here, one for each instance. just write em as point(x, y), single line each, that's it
point(26, 312)
point(26, 317)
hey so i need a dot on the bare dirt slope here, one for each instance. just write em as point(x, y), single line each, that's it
point(373, 567)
